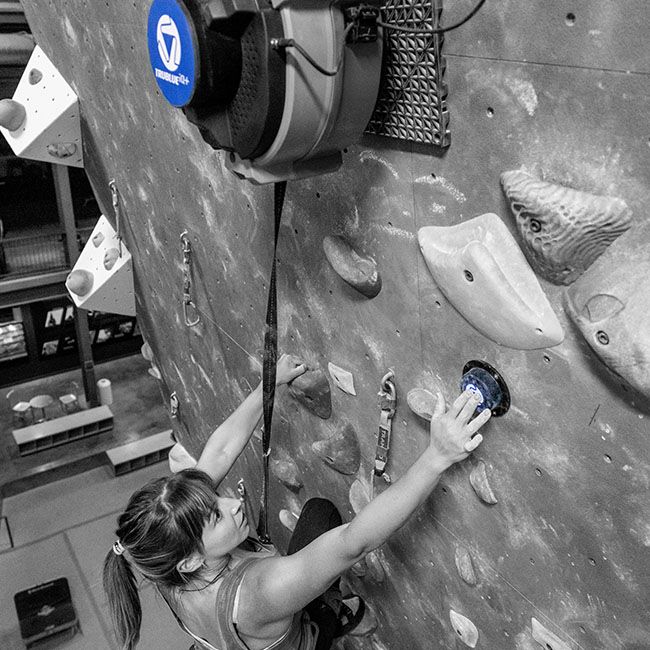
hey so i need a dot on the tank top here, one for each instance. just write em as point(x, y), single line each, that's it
point(301, 635)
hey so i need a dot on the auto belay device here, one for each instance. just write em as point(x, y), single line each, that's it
point(483, 380)
point(283, 86)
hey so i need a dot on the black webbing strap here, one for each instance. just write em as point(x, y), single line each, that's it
point(268, 369)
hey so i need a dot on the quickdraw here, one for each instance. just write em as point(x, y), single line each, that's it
point(116, 208)
point(387, 400)
point(191, 314)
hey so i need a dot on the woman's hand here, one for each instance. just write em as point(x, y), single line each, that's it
point(289, 367)
point(452, 435)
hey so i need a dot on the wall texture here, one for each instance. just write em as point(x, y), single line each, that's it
point(560, 89)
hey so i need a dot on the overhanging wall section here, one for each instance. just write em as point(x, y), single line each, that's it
point(566, 541)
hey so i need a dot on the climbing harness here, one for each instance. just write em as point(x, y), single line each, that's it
point(191, 314)
point(116, 208)
point(269, 364)
point(387, 400)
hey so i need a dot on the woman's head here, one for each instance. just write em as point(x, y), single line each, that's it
point(162, 526)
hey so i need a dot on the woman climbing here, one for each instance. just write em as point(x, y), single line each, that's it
point(191, 543)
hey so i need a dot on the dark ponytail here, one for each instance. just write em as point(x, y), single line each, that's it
point(123, 599)
point(161, 525)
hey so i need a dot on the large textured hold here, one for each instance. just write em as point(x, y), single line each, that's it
point(545, 638)
point(464, 565)
point(610, 305)
point(564, 230)
point(357, 270)
point(341, 450)
point(464, 628)
point(479, 481)
point(313, 391)
point(285, 469)
point(479, 267)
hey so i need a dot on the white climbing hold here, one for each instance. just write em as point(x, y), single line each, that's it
point(464, 628)
point(423, 402)
point(545, 638)
point(50, 128)
point(479, 481)
point(342, 378)
point(288, 519)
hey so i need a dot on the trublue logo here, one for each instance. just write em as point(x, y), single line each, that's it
point(171, 51)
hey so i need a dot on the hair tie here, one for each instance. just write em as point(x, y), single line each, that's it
point(118, 549)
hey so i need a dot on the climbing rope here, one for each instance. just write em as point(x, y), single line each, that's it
point(269, 364)
point(387, 401)
point(191, 314)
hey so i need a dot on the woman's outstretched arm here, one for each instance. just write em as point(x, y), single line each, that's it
point(230, 438)
point(276, 588)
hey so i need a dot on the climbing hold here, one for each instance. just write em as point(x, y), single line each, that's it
point(154, 372)
point(312, 390)
point(464, 628)
point(483, 380)
point(564, 230)
point(97, 239)
point(358, 496)
point(610, 305)
point(35, 76)
point(483, 273)
point(113, 288)
point(342, 378)
point(545, 638)
point(12, 114)
point(80, 282)
point(110, 257)
point(464, 565)
point(368, 623)
point(376, 571)
point(358, 271)
point(288, 519)
point(146, 351)
point(341, 450)
point(61, 149)
point(49, 116)
point(479, 481)
point(179, 458)
point(285, 469)
point(422, 402)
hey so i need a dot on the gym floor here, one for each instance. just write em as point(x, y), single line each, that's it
point(64, 527)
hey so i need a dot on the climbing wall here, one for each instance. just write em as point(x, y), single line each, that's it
point(547, 546)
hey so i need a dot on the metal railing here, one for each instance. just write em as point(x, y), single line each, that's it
point(30, 254)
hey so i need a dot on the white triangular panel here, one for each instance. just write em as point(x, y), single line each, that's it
point(112, 289)
point(51, 130)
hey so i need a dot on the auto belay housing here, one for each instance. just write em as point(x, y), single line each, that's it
point(282, 86)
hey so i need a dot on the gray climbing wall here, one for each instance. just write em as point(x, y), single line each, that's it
point(559, 89)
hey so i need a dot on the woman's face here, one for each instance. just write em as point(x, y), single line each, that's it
point(223, 532)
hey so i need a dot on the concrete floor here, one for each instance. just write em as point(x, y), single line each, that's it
point(65, 527)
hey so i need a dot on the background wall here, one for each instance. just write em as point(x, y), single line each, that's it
point(557, 88)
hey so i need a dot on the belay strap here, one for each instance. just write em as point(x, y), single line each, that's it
point(269, 365)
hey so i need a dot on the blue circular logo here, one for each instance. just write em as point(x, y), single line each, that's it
point(171, 51)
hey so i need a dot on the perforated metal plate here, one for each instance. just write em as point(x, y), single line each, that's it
point(412, 102)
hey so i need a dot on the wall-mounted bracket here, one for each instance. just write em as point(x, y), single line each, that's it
point(42, 122)
point(102, 279)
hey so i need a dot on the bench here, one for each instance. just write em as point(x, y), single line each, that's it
point(140, 453)
point(59, 431)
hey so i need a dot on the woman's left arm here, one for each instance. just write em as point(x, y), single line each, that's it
point(229, 439)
